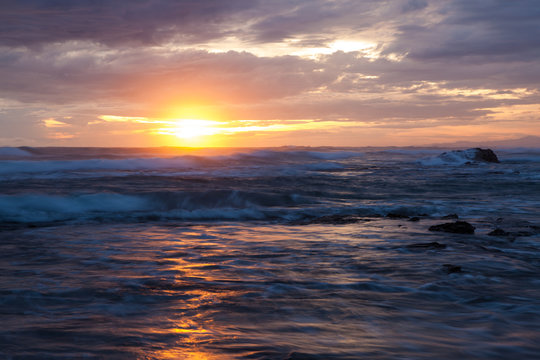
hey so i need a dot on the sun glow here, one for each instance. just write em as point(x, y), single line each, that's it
point(200, 132)
point(193, 128)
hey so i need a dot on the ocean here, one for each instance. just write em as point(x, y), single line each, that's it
point(279, 253)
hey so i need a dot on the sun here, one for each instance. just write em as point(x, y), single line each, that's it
point(194, 128)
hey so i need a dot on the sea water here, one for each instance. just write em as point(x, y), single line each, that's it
point(283, 253)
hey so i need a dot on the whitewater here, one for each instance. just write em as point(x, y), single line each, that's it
point(278, 253)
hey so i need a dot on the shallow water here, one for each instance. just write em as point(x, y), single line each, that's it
point(234, 257)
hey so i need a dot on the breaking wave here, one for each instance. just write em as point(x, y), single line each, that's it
point(13, 152)
point(289, 161)
point(214, 205)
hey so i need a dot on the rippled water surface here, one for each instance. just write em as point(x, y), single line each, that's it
point(275, 254)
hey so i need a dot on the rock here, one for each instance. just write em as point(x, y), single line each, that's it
point(414, 218)
point(450, 217)
point(303, 356)
point(458, 227)
point(463, 157)
point(335, 219)
point(396, 216)
point(486, 155)
point(523, 233)
point(428, 246)
point(499, 232)
point(451, 269)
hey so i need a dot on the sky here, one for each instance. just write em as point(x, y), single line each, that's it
point(268, 72)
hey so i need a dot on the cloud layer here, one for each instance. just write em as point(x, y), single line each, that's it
point(406, 64)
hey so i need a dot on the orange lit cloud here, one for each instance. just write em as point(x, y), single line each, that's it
point(53, 123)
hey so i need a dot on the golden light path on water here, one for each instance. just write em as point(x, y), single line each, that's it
point(236, 290)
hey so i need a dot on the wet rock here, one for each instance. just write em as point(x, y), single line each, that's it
point(499, 232)
point(427, 246)
point(414, 219)
point(514, 228)
point(450, 217)
point(303, 356)
point(458, 227)
point(523, 233)
point(396, 216)
point(333, 220)
point(465, 157)
point(451, 269)
point(486, 155)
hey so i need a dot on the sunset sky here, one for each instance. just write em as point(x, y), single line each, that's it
point(267, 73)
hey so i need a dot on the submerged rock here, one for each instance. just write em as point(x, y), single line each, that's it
point(394, 215)
point(333, 219)
point(513, 228)
point(458, 227)
point(451, 269)
point(450, 217)
point(499, 232)
point(304, 356)
point(428, 246)
point(414, 219)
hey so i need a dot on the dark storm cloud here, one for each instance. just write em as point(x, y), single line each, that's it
point(31, 22)
point(319, 18)
point(426, 30)
point(475, 31)
point(135, 22)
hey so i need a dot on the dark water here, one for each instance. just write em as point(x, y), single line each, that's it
point(267, 254)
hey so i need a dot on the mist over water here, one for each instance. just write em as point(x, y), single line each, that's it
point(288, 253)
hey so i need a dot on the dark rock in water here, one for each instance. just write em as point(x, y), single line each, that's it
point(499, 232)
point(334, 219)
point(303, 356)
point(450, 217)
point(523, 233)
point(396, 216)
point(458, 227)
point(451, 269)
point(414, 218)
point(428, 246)
point(486, 155)
point(516, 231)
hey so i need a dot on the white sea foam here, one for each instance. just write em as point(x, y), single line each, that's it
point(454, 157)
point(29, 208)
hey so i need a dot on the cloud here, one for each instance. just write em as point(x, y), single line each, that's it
point(482, 31)
point(53, 123)
point(71, 72)
point(398, 64)
point(35, 22)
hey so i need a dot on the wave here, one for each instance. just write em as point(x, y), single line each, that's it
point(41, 208)
point(13, 152)
point(212, 205)
point(301, 155)
point(47, 166)
point(284, 162)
